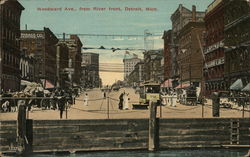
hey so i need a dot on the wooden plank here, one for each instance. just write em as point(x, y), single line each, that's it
point(50, 142)
point(91, 134)
point(196, 126)
point(41, 149)
point(112, 127)
point(90, 122)
point(195, 143)
point(185, 138)
point(55, 129)
point(169, 132)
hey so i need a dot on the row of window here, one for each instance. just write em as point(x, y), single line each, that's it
point(10, 15)
point(10, 59)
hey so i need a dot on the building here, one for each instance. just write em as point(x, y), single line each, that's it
point(62, 66)
point(237, 41)
point(153, 66)
point(75, 56)
point(137, 75)
point(167, 54)
point(129, 65)
point(27, 67)
point(214, 49)
point(42, 44)
point(190, 55)
point(181, 17)
point(90, 70)
point(10, 13)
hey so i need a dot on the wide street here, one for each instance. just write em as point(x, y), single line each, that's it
point(98, 108)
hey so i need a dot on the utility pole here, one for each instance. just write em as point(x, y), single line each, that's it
point(58, 65)
point(1, 46)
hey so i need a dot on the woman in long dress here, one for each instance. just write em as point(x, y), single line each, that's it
point(125, 101)
point(85, 99)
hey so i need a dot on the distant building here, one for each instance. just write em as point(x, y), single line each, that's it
point(214, 48)
point(75, 56)
point(137, 75)
point(41, 44)
point(90, 70)
point(129, 65)
point(237, 41)
point(153, 66)
point(10, 13)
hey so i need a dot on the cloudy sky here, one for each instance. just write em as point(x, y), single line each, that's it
point(98, 22)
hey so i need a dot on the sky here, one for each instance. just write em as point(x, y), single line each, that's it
point(82, 20)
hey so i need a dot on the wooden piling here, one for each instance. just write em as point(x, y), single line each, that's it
point(153, 128)
point(21, 129)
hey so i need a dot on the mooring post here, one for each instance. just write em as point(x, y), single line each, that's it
point(153, 128)
point(21, 128)
point(216, 105)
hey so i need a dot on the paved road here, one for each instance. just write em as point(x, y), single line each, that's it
point(98, 109)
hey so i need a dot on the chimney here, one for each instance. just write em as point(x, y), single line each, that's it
point(193, 13)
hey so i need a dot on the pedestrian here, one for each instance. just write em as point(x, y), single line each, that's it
point(85, 99)
point(5, 106)
point(104, 95)
point(61, 105)
point(125, 101)
point(120, 105)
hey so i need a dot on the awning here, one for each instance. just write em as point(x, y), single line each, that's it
point(247, 88)
point(25, 83)
point(167, 84)
point(237, 85)
point(47, 84)
point(183, 85)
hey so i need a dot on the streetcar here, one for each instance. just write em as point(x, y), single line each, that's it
point(148, 92)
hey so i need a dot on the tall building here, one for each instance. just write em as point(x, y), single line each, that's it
point(90, 70)
point(214, 49)
point(10, 13)
point(153, 67)
point(75, 56)
point(181, 17)
point(167, 54)
point(42, 44)
point(237, 41)
point(129, 65)
point(137, 75)
point(190, 55)
point(62, 65)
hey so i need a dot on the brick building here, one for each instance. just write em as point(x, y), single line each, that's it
point(181, 17)
point(214, 49)
point(62, 62)
point(153, 66)
point(137, 75)
point(167, 54)
point(237, 41)
point(27, 67)
point(10, 13)
point(75, 56)
point(90, 70)
point(42, 44)
point(189, 56)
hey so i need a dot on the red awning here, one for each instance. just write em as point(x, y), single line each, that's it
point(167, 84)
point(47, 84)
point(183, 85)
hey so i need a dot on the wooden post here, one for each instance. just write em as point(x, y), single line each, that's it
point(108, 106)
point(216, 105)
point(21, 128)
point(153, 128)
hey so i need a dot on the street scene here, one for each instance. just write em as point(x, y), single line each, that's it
point(64, 65)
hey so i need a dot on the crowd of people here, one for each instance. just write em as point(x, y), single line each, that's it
point(56, 99)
